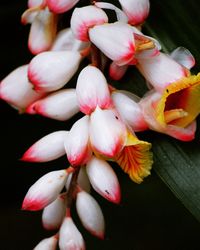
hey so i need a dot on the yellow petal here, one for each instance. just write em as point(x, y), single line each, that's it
point(135, 158)
point(183, 94)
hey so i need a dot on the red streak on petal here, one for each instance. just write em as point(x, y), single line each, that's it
point(30, 157)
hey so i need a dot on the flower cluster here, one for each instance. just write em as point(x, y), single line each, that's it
point(92, 47)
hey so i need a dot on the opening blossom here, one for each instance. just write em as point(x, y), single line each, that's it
point(105, 131)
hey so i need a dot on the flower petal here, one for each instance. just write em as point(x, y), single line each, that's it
point(107, 132)
point(90, 214)
point(51, 70)
point(135, 158)
point(92, 90)
point(117, 72)
point(47, 244)
point(129, 110)
point(103, 179)
point(17, 90)
point(115, 40)
point(54, 213)
point(47, 148)
point(77, 142)
point(45, 190)
point(161, 70)
point(69, 236)
point(184, 57)
point(85, 18)
point(136, 10)
point(60, 105)
point(61, 6)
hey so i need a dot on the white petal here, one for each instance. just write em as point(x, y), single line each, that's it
point(129, 110)
point(115, 40)
point(92, 90)
point(34, 3)
point(183, 56)
point(90, 214)
point(103, 179)
point(85, 18)
point(51, 70)
point(65, 40)
point(107, 132)
point(69, 236)
point(17, 90)
point(47, 148)
point(117, 72)
point(47, 244)
point(76, 142)
point(161, 70)
point(136, 10)
point(119, 13)
point(54, 213)
point(42, 32)
point(61, 6)
point(45, 190)
point(82, 181)
point(60, 105)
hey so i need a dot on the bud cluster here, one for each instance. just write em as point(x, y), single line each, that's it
point(110, 117)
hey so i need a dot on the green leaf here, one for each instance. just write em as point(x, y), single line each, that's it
point(177, 163)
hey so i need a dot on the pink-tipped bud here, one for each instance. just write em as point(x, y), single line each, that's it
point(61, 6)
point(85, 18)
point(92, 90)
point(47, 244)
point(17, 90)
point(65, 40)
point(136, 10)
point(115, 40)
point(117, 72)
point(47, 148)
point(51, 70)
point(77, 142)
point(82, 180)
point(90, 214)
point(60, 105)
point(69, 236)
point(54, 213)
point(103, 179)
point(129, 110)
point(107, 132)
point(45, 190)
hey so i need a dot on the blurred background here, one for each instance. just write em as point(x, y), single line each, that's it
point(149, 217)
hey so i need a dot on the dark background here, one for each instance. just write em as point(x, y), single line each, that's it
point(149, 216)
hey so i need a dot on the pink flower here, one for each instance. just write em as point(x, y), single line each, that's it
point(69, 236)
point(103, 179)
point(17, 90)
point(85, 18)
point(51, 70)
point(43, 26)
point(60, 6)
point(47, 148)
point(45, 190)
point(92, 90)
point(90, 214)
point(60, 105)
point(48, 243)
point(136, 10)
